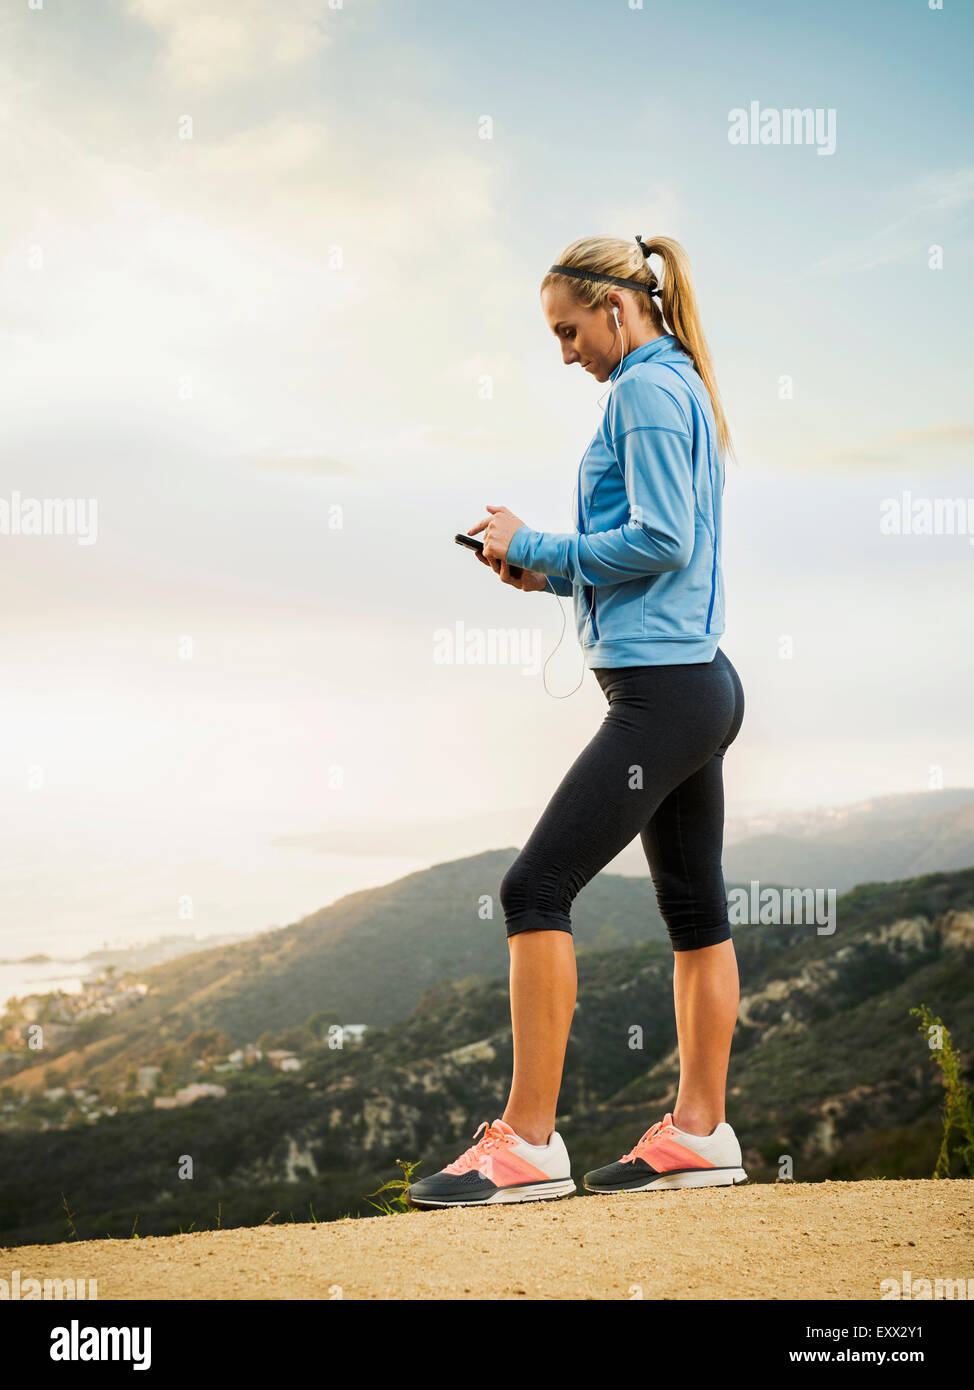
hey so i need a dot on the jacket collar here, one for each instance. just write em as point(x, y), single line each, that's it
point(656, 346)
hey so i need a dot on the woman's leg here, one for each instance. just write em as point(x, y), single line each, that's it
point(543, 983)
point(662, 725)
point(706, 993)
point(683, 844)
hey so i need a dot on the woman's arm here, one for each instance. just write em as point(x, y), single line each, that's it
point(652, 443)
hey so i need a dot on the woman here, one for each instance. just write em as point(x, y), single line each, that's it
point(644, 569)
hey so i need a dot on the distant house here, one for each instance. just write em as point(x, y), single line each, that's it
point(147, 1078)
point(56, 1033)
point(196, 1089)
point(278, 1055)
point(187, 1094)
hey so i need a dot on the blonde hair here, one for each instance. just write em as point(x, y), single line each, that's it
point(612, 256)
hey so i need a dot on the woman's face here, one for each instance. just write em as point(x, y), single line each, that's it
point(587, 336)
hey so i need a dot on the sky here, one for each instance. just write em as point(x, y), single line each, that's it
point(271, 313)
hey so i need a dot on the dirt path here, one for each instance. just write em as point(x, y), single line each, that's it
point(786, 1241)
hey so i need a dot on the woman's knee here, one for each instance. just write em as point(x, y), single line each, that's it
point(686, 938)
point(693, 906)
point(529, 904)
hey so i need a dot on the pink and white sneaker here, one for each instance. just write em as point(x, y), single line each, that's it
point(500, 1167)
point(668, 1157)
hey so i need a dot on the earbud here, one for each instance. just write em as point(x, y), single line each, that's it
point(622, 353)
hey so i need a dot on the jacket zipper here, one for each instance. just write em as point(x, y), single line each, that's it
point(713, 498)
point(588, 591)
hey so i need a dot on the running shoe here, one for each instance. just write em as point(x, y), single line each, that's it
point(499, 1167)
point(667, 1157)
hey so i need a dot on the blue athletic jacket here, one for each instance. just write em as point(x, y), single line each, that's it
point(644, 565)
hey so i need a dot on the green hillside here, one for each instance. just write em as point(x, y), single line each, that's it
point(827, 1068)
point(898, 836)
point(365, 959)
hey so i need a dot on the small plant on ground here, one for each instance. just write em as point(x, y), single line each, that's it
point(395, 1205)
point(72, 1232)
point(958, 1109)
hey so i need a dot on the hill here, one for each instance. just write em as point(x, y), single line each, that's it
point(899, 836)
point(367, 958)
point(363, 960)
point(828, 1068)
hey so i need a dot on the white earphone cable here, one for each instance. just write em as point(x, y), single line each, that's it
point(564, 627)
point(618, 369)
point(544, 669)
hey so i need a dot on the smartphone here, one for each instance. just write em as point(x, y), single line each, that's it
point(474, 544)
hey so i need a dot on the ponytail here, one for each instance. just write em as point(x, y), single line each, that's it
point(680, 314)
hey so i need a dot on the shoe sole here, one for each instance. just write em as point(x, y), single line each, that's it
point(694, 1177)
point(533, 1192)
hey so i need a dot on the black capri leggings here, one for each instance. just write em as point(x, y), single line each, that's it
point(655, 768)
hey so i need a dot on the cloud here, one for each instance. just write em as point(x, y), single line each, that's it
point(935, 436)
point(906, 238)
point(659, 212)
point(304, 463)
point(437, 839)
point(273, 260)
point(897, 447)
point(222, 41)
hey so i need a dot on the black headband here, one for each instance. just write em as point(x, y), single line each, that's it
point(608, 279)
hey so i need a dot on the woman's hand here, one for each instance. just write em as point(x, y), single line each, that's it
point(498, 530)
point(528, 580)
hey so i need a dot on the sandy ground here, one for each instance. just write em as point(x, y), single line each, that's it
point(832, 1240)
